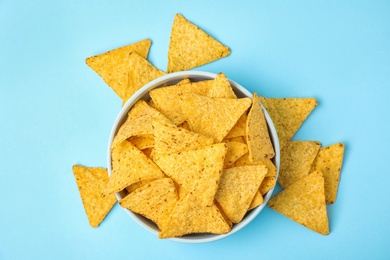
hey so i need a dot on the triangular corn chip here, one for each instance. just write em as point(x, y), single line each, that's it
point(155, 201)
point(190, 47)
point(113, 66)
point(304, 202)
point(167, 99)
point(91, 183)
point(257, 201)
point(296, 159)
point(329, 160)
point(139, 122)
point(191, 216)
point(197, 171)
point(235, 150)
point(244, 160)
point(170, 139)
point(130, 165)
point(257, 137)
point(213, 117)
point(288, 114)
point(267, 184)
point(239, 129)
point(141, 72)
point(142, 141)
point(237, 188)
point(221, 88)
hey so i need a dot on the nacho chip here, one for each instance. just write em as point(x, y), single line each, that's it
point(257, 201)
point(140, 72)
point(167, 99)
point(296, 159)
point(155, 201)
point(138, 122)
point(170, 139)
point(191, 216)
point(91, 183)
point(288, 114)
point(113, 67)
point(239, 129)
point(190, 47)
point(142, 141)
point(304, 202)
point(213, 117)
point(267, 184)
point(237, 188)
point(244, 160)
point(221, 88)
point(130, 165)
point(197, 171)
point(257, 137)
point(329, 161)
point(239, 139)
point(136, 185)
point(235, 150)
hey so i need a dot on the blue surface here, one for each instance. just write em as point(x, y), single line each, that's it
point(56, 112)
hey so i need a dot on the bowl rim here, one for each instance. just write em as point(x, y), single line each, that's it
point(170, 79)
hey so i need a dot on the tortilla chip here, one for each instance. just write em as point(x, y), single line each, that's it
point(142, 141)
point(191, 216)
point(239, 139)
point(170, 139)
point(213, 117)
point(244, 160)
point(138, 122)
point(304, 202)
point(235, 150)
point(113, 67)
point(140, 72)
point(91, 183)
point(221, 88)
point(267, 184)
point(239, 129)
point(257, 137)
point(257, 201)
point(329, 161)
point(296, 159)
point(155, 201)
point(197, 171)
point(167, 99)
point(190, 47)
point(237, 188)
point(130, 165)
point(288, 114)
point(136, 185)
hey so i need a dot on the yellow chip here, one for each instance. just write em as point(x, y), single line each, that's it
point(239, 139)
point(142, 141)
point(136, 185)
point(257, 136)
point(130, 165)
point(170, 139)
point(155, 201)
point(244, 160)
point(91, 183)
point(296, 159)
point(288, 114)
point(267, 184)
point(191, 216)
point(167, 99)
point(138, 122)
point(221, 88)
point(239, 129)
point(190, 47)
point(113, 66)
point(197, 171)
point(140, 72)
point(304, 202)
point(257, 201)
point(213, 117)
point(237, 188)
point(235, 150)
point(329, 160)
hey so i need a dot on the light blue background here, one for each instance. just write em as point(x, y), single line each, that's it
point(56, 112)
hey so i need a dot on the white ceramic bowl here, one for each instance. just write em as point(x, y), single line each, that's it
point(171, 79)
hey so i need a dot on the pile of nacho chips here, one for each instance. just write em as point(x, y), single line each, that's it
point(195, 158)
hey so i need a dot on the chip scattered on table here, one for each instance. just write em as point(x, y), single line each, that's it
point(91, 182)
point(191, 47)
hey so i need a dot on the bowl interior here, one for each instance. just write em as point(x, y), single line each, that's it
point(171, 79)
